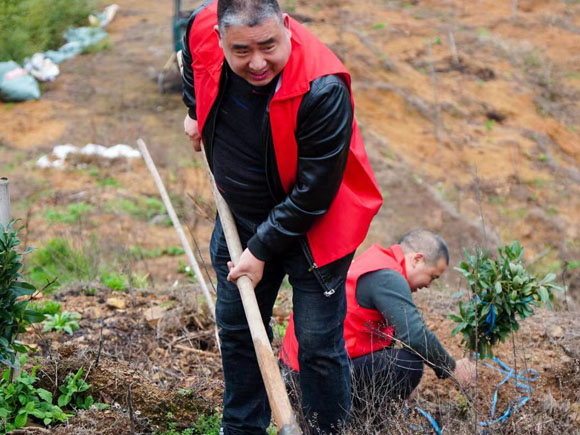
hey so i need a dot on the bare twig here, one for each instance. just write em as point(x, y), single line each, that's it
point(130, 406)
point(197, 351)
point(100, 346)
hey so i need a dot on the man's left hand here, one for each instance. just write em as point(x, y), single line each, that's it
point(249, 266)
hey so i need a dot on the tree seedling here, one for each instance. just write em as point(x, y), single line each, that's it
point(502, 289)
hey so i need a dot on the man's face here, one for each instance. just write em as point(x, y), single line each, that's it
point(259, 53)
point(421, 274)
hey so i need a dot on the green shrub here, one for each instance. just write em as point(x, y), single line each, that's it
point(29, 26)
point(502, 289)
point(14, 312)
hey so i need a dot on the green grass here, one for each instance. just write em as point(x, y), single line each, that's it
point(114, 280)
point(72, 214)
point(48, 306)
point(141, 208)
point(140, 253)
point(29, 26)
point(58, 259)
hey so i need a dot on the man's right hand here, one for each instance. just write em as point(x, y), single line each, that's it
point(465, 372)
point(192, 131)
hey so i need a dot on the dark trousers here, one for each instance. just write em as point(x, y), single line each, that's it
point(319, 308)
point(389, 374)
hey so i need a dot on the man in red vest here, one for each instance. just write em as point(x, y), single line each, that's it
point(274, 109)
point(386, 338)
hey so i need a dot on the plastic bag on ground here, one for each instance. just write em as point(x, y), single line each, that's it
point(16, 84)
point(77, 40)
point(42, 68)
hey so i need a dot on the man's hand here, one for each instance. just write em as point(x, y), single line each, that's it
point(192, 131)
point(465, 372)
point(249, 266)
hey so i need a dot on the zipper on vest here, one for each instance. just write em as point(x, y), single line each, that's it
point(328, 292)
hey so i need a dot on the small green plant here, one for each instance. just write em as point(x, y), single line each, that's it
point(14, 312)
point(139, 280)
point(49, 306)
point(72, 214)
point(20, 399)
point(114, 280)
point(207, 424)
point(489, 124)
point(108, 182)
point(379, 26)
point(62, 322)
point(73, 388)
point(502, 289)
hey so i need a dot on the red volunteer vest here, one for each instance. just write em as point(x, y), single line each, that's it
point(365, 330)
point(344, 226)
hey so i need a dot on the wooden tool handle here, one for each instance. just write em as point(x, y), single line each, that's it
point(275, 388)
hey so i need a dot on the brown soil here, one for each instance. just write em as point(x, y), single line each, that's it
point(482, 147)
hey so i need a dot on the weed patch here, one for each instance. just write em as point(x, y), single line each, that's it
point(72, 214)
point(59, 261)
point(141, 208)
point(28, 26)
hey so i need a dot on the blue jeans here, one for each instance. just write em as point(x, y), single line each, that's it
point(319, 308)
point(389, 373)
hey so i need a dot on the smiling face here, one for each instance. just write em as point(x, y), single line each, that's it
point(421, 273)
point(258, 53)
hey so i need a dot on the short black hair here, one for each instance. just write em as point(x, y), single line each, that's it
point(430, 244)
point(246, 12)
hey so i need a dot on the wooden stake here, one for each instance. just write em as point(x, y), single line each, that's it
point(4, 202)
point(176, 224)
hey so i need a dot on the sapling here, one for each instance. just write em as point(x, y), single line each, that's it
point(14, 297)
point(502, 289)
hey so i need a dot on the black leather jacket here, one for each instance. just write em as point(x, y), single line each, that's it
point(323, 134)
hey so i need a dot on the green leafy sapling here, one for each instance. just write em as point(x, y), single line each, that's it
point(502, 289)
point(14, 297)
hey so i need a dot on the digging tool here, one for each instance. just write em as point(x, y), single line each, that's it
point(279, 402)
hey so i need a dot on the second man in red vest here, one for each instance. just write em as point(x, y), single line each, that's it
point(386, 338)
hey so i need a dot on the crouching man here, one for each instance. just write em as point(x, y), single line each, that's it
point(386, 338)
